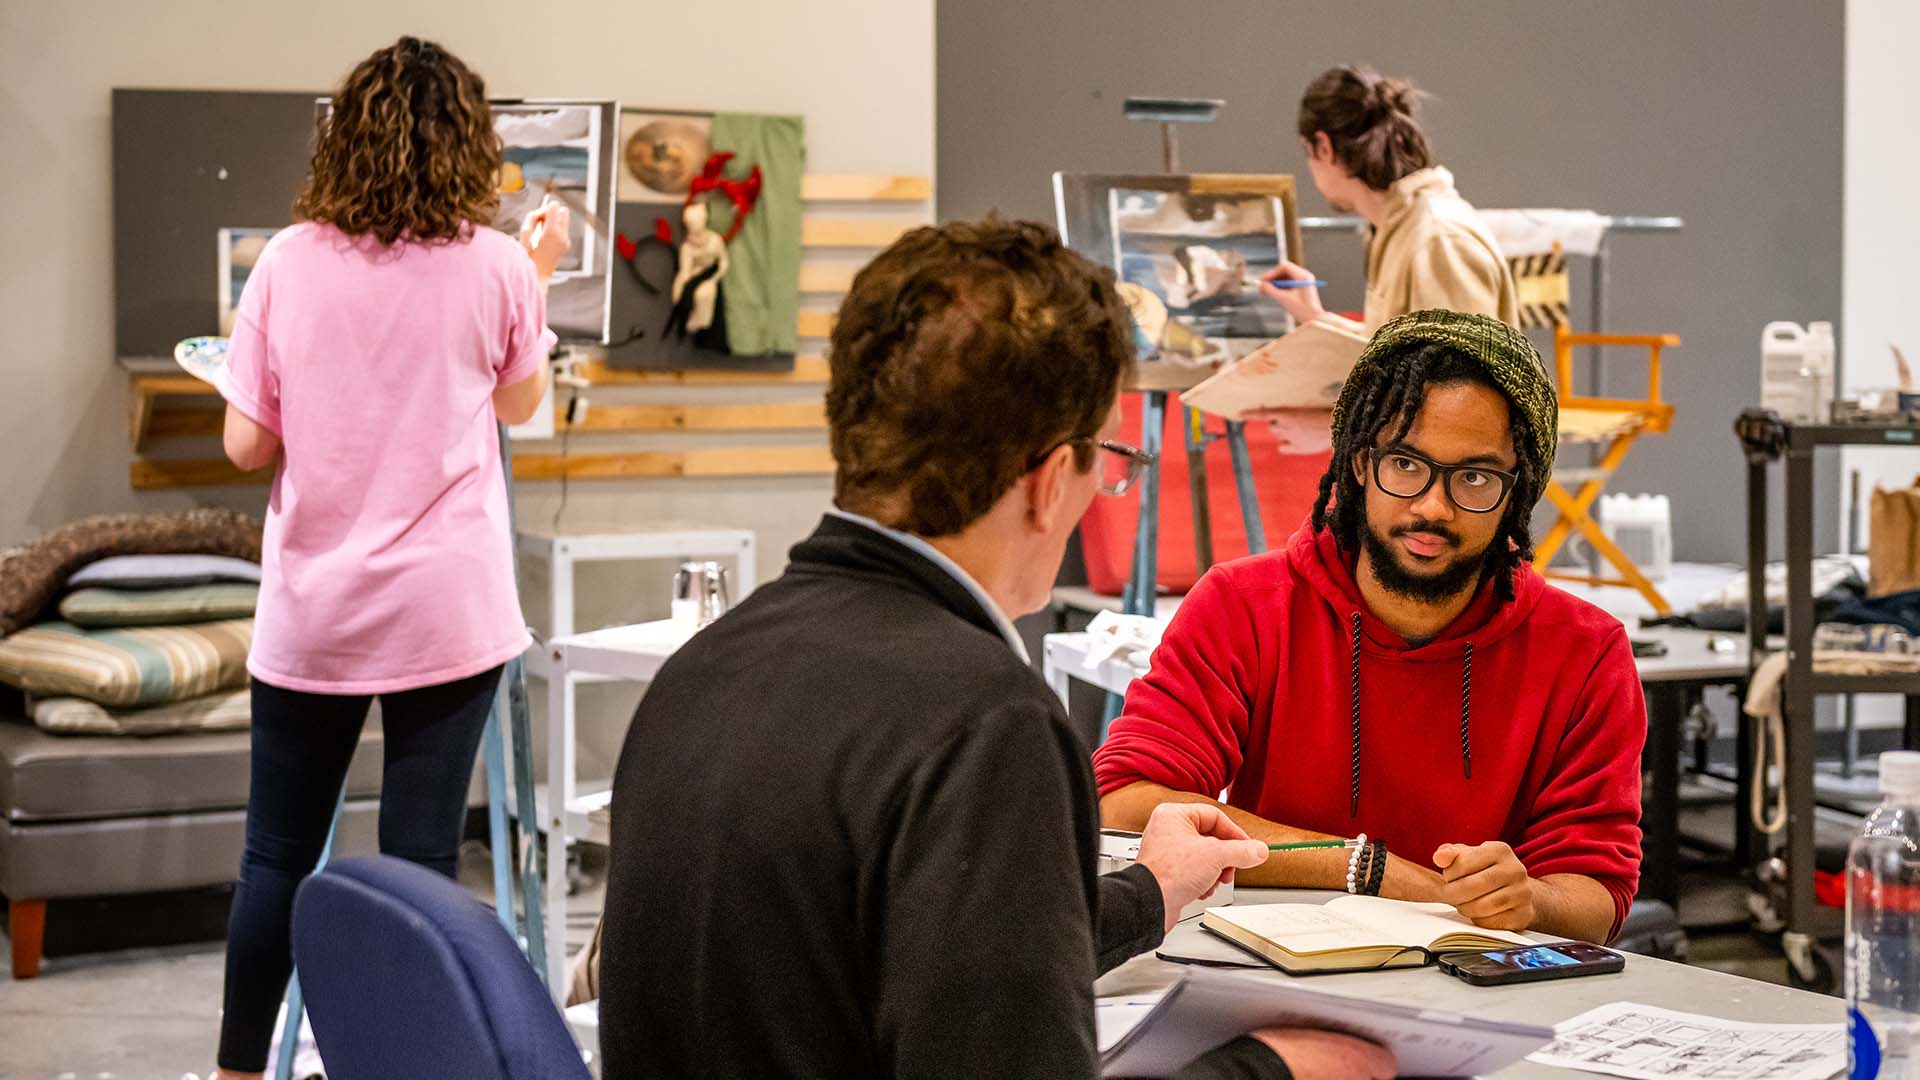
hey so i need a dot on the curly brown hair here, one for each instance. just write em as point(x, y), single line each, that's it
point(409, 149)
point(961, 354)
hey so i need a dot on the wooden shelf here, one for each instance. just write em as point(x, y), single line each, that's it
point(146, 474)
point(144, 390)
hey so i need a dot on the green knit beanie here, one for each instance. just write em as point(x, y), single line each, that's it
point(1510, 359)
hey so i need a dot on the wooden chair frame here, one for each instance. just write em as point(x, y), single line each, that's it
point(1653, 416)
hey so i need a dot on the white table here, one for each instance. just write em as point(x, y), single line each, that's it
point(564, 549)
point(1645, 981)
point(618, 652)
point(602, 658)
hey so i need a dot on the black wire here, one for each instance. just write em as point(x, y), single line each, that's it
point(566, 436)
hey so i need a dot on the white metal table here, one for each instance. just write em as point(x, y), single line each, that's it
point(563, 549)
point(618, 652)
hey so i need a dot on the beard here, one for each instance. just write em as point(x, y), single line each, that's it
point(1456, 577)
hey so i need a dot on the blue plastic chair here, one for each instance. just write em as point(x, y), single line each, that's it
point(406, 974)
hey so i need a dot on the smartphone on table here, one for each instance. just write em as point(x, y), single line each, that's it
point(1532, 963)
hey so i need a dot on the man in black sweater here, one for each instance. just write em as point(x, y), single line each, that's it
point(853, 832)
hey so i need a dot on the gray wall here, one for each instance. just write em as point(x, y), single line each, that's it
point(1725, 112)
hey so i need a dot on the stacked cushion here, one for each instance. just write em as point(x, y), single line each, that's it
point(228, 710)
point(127, 667)
point(153, 630)
point(211, 602)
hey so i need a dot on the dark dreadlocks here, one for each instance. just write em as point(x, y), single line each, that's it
point(1391, 392)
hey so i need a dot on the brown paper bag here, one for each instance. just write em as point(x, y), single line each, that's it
point(1893, 540)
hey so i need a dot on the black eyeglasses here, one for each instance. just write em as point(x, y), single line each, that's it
point(1120, 464)
point(1404, 474)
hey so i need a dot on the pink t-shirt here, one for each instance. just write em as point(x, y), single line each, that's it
point(387, 564)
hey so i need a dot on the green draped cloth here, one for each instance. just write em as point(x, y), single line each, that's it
point(761, 291)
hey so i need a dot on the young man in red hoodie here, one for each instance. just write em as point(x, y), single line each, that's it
point(1401, 671)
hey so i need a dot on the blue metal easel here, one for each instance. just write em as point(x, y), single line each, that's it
point(1142, 582)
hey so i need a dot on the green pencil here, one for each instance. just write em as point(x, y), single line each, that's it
point(1313, 844)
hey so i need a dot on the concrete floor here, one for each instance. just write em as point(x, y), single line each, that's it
point(153, 1012)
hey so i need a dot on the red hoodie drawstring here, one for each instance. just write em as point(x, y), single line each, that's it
point(1466, 707)
point(1353, 804)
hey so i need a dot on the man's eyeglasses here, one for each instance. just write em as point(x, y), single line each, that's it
point(1120, 465)
point(1476, 489)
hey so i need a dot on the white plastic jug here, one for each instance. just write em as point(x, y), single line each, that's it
point(1641, 526)
point(1796, 371)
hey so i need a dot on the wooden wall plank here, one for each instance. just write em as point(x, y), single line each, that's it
point(821, 232)
point(806, 369)
point(830, 278)
point(815, 324)
point(760, 461)
point(866, 188)
point(742, 461)
point(790, 416)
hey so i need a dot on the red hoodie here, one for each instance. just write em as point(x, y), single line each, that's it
point(1253, 691)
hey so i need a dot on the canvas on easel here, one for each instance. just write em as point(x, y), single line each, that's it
point(1188, 250)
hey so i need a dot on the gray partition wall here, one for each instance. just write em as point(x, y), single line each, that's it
point(1727, 113)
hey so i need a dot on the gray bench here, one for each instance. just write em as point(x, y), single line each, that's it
point(85, 815)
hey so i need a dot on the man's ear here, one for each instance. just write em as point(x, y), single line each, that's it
point(1046, 487)
point(1360, 467)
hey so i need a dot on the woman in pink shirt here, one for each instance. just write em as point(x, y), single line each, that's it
point(376, 344)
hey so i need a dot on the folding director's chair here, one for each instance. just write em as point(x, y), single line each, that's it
point(1543, 286)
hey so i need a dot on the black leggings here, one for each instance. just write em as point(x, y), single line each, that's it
point(302, 744)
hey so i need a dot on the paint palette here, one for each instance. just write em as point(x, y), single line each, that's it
point(204, 358)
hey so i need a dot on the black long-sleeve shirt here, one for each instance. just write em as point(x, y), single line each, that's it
point(855, 835)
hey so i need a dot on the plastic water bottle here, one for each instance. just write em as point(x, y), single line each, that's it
point(1883, 929)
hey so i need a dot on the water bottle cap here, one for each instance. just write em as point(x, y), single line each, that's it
point(1900, 772)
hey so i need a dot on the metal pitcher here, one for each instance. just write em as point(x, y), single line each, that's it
point(700, 593)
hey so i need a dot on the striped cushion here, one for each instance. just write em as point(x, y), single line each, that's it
point(228, 710)
point(147, 666)
point(159, 607)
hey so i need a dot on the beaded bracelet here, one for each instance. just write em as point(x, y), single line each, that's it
point(1376, 866)
point(1354, 880)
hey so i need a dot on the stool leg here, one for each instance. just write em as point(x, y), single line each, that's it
point(493, 745)
point(26, 932)
point(290, 1030)
point(1143, 581)
point(1196, 437)
point(1243, 483)
point(1146, 542)
point(296, 1003)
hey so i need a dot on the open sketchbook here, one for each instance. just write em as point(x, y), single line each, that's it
point(1303, 370)
point(1353, 933)
point(1208, 1007)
